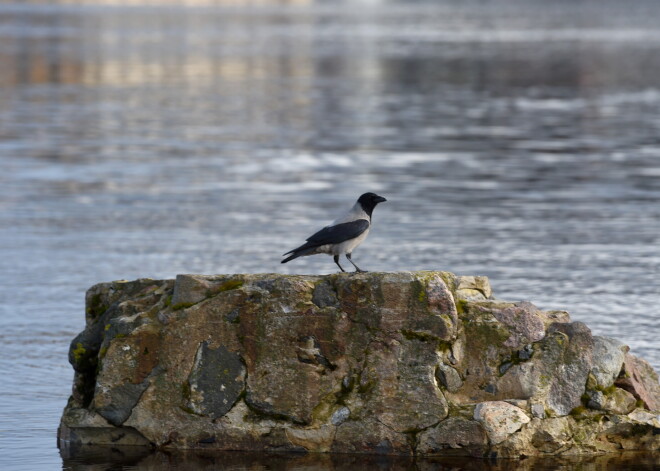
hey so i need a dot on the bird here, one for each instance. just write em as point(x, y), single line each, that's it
point(343, 235)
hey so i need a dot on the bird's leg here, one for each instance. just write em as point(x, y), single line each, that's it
point(357, 269)
point(336, 258)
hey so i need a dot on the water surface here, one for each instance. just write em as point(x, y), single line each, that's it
point(518, 140)
point(133, 459)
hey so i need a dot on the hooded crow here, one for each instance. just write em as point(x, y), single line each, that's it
point(343, 235)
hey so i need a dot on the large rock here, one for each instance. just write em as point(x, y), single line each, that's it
point(554, 372)
point(500, 419)
point(384, 363)
point(641, 380)
point(454, 435)
point(607, 360)
point(615, 401)
point(568, 381)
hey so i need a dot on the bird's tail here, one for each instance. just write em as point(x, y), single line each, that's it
point(291, 257)
point(299, 252)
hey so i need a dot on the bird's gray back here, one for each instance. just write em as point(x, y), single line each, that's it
point(355, 213)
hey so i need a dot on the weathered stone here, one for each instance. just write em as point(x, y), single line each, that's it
point(124, 373)
point(190, 289)
point(340, 416)
point(454, 433)
point(552, 317)
point(417, 305)
point(590, 433)
point(645, 417)
point(554, 436)
point(296, 354)
point(317, 439)
point(525, 353)
point(524, 322)
point(440, 302)
point(521, 404)
point(119, 402)
point(551, 435)
point(109, 437)
point(619, 402)
point(500, 419)
point(109, 304)
point(608, 360)
point(389, 363)
point(596, 400)
point(242, 429)
point(369, 436)
point(613, 400)
point(325, 295)
point(557, 373)
point(448, 377)
point(623, 433)
point(216, 381)
point(538, 411)
point(481, 350)
point(399, 387)
point(641, 380)
point(570, 375)
point(501, 339)
point(473, 288)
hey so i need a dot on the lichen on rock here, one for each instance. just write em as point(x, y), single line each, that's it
point(420, 363)
point(216, 381)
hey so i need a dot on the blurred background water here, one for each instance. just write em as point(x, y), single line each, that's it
point(514, 139)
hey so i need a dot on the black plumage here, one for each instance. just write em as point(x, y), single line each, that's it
point(329, 235)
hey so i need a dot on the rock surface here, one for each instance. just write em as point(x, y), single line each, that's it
point(610, 354)
point(639, 378)
point(500, 419)
point(387, 363)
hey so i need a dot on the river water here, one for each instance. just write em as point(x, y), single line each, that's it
point(518, 140)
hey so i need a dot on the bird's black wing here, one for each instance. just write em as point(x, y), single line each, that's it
point(330, 235)
point(338, 233)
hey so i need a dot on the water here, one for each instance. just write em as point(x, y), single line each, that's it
point(518, 140)
point(140, 460)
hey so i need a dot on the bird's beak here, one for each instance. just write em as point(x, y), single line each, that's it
point(380, 199)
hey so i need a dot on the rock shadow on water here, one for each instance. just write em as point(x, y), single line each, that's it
point(87, 458)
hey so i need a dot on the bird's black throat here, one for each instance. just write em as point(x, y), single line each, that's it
point(368, 208)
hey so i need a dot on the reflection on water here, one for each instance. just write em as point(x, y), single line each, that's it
point(513, 139)
point(134, 459)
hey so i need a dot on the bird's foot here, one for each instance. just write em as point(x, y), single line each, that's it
point(361, 271)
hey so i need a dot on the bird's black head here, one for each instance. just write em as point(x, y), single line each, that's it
point(368, 201)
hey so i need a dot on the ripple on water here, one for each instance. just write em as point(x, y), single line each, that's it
point(516, 140)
